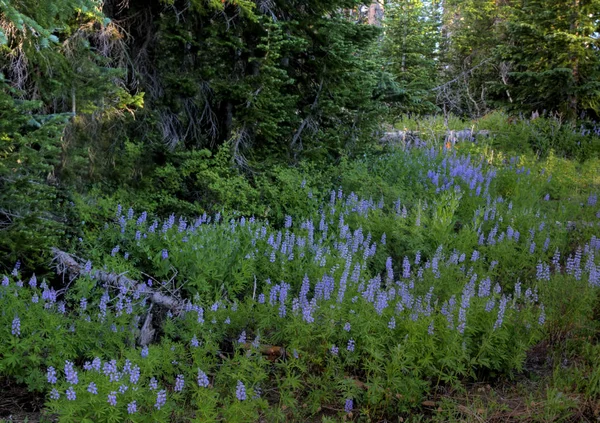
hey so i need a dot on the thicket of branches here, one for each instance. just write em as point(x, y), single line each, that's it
point(185, 104)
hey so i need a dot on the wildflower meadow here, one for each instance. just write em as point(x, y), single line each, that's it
point(440, 268)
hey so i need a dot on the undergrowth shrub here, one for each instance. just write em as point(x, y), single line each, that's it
point(384, 286)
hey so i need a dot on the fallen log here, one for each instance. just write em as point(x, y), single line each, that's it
point(66, 264)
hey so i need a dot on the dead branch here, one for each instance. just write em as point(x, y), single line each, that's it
point(66, 264)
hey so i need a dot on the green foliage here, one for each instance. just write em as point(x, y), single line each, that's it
point(411, 45)
point(31, 220)
point(279, 82)
point(257, 309)
point(552, 48)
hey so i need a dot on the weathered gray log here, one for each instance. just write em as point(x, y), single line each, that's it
point(67, 265)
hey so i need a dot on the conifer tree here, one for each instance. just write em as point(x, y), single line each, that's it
point(554, 53)
point(412, 48)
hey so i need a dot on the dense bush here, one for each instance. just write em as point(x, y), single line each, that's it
point(413, 270)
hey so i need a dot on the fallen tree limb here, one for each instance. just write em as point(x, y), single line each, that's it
point(66, 264)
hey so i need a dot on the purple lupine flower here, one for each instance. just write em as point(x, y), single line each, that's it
point(145, 351)
point(153, 385)
point(164, 254)
point(242, 338)
point(501, 311)
point(161, 399)
point(110, 368)
point(51, 375)
point(87, 268)
point(140, 221)
point(307, 309)
point(546, 244)
point(351, 345)
point(123, 389)
point(389, 269)
point(475, 255)
point(392, 322)
point(288, 222)
point(349, 405)
point(542, 318)
point(134, 375)
point(405, 268)
point(594, 276)
point(131, 407)
point(70, 373)
point(16, 326)
point(92, 388)
point(33, 282)
point(5, 281)
point(179, 383)
point(347, 326)
point(96, 362)
point(71, 395)
point(430, 329)
point(485, 288)
point(240, 391)
point(283, 292)
point(112, 398)
point(54, 394)
point(334, 350)
point(202, 379)
point(381, 303)
point(542, 271)
point(194, 342)
point(15, 270)
point(532, 248)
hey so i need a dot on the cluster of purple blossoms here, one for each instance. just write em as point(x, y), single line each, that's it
point(112, 398)
point(131, 407)
point(179, 383)
point(92, 388)
point(71, 395)
point(16, 326)
point(70, 373)
point(51, 375)
point(161, 399)
point(202, 379)
point(240, 391)
point(501, 311)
